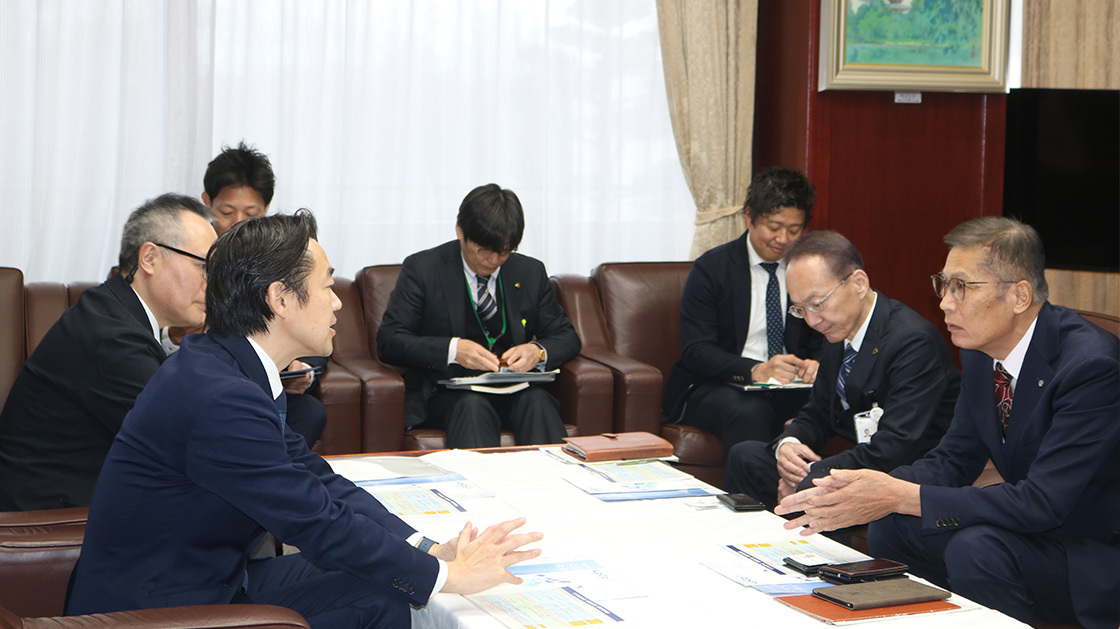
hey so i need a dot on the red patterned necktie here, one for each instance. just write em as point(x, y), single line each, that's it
point(1003, 395)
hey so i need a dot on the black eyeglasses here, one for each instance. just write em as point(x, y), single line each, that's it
point(956, 286)
point(181, 252)
point(815, 306)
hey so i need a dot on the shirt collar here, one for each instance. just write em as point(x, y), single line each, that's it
point(1013, 363)
point(270, 369)
point(857, 340)
point(151, 317)
point(756, 259)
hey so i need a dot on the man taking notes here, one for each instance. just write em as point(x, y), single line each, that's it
point(734, 327)
point(1039, 398)
point(198, 473)
point(464, 307)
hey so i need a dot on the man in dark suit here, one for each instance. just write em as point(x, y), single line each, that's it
point(238, 185)
point(895, 397)
point(470, 306)
point(1039, 398)
point(205, 463)
point(734, 327)
point(74, 390)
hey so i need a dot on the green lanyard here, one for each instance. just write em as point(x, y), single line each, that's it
point(501, 306)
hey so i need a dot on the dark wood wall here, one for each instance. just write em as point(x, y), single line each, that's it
point(893, 178)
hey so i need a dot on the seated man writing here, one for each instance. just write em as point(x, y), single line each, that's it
point(1039, 398)
point(198, 473)
point(464, 308)
point(886, 379)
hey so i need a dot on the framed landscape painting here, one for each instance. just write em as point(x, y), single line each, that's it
point(914, 45)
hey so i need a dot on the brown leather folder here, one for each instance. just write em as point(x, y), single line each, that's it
point(611, 446)
point(831, 613)
point(880, 594)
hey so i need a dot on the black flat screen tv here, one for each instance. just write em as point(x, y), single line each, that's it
point(1062, 173)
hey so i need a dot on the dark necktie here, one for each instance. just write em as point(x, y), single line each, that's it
point(1003, 395)
point(282, 406)
point(486, 305)
point(775, 324)
point(845, 369)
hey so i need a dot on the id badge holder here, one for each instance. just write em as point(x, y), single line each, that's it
point(867, 423)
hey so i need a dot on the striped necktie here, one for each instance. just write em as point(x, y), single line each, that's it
point(486, 304)
point(845, 369)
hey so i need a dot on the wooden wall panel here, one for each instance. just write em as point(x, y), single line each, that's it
point(893, 178)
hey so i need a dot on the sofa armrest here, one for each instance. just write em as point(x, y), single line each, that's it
point(196, 617)
point(340, 391)
point(44, 517)
point(382, 404)
point(585, 390)
point(637, 391)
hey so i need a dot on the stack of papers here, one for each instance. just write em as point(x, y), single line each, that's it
point(637, 480)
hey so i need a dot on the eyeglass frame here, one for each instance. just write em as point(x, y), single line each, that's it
point(799, 311)
point(180, 252)
point(948, 282)
point(486, 253)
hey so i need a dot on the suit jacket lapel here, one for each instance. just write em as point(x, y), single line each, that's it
point(868, 352)
point(1036, 372)
point(741, 291)
point(247, 359)
point(454, 283)
point(511, 280)
point(131, 301)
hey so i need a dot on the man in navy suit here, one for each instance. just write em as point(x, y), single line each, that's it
point(899, 384)
point(734, 327)
point(470, 306)
point(1039, 398)
point(205, 463)
point(73, 392)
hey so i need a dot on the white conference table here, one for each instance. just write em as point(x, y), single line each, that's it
point(654, 546)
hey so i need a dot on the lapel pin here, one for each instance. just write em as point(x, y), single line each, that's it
point(1040, 383)
point(874, 350)
point(524, 323)
point(517, 284)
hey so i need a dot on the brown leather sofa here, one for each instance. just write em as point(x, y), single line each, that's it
point(30, 310)
point(583, 387)
point(628, 315)
point(38, 550)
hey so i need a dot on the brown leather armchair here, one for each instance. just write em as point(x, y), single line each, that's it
point(12, 352)
point(628, 315)
point(37, 553)
point(583, 387)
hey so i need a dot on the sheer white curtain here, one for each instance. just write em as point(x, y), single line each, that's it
point(378, 115)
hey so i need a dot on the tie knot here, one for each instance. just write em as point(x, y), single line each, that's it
point(771, 267)
point(1002, 376)
point(483, 279)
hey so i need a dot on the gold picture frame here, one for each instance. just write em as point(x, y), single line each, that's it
point(914, 45)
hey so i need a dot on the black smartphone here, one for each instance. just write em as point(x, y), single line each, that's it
point(807, 564)
point(741, 502)
point(863, 571)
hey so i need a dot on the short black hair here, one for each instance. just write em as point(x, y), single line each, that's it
point(246, 260)
point(778, 187)
point(241, 166)
point(839, 254)
point(492, 218)
point(156, 220)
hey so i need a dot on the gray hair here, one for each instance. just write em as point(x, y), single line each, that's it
point(1014, 250)
point(158, 220)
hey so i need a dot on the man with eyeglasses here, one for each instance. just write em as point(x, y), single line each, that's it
point(475, 305)
point(1040, 399)
point(73, 392)
point(734, 328)
point(886, 382)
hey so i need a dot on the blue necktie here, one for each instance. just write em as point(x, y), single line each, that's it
point(775, 323)
point(282, 406)
point(845, 369)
